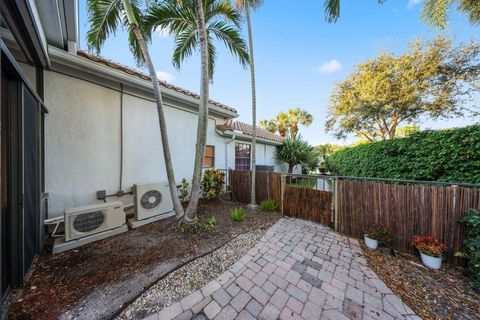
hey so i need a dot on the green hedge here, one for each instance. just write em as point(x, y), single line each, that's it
point(450, 155)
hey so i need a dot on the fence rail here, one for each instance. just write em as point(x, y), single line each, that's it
point(405, 207)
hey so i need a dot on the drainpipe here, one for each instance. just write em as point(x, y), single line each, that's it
point(120, 187)
point(226, 148)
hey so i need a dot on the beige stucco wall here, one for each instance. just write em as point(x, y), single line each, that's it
point(83, 142)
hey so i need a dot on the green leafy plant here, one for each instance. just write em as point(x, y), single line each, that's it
point(211, 224)
point(269, 205)
point(237, 214)
point(380, 233)
point(296, 151)
point(212, 183)
point(429, 245)
point(471, 246)
point(183, 189)
point(449, 155)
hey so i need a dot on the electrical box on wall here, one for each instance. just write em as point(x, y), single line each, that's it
point(101, 195)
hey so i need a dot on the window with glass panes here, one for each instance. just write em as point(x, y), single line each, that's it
point(209, 158)
point(242, 156)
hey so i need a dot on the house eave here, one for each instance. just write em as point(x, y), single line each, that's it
point(63, 58)
point(246, 137)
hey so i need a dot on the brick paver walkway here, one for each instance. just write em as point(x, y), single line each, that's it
point(299, 270)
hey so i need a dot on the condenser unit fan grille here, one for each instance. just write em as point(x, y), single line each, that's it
point(151, 199)
point(89, 221)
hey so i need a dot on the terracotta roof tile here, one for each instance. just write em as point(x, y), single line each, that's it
point(136, 73)
point(245, 128)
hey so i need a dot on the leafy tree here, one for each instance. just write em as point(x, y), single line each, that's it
point(247, 5)
point(105, 17)
point(296, 151)
point(324, 150)
point(407, 130)
point(287, 123)
point(193, 24)
point(433, 79)
point(434, 12)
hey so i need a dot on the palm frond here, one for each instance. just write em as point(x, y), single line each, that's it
point(104, 17)
point(169, 15)
point(240, 5)
point(222, 10)
point(179, 19)
point(232, 39)
point(332, 10)
point(185, 43)
point(212, 57)
point(472, 9)
point(132, 39)
point(435, 12)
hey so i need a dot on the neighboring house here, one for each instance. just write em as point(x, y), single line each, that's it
point(73, 123)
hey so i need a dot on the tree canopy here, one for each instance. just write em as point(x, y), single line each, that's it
point(178, 17)
point(433, 79)
point(296, 151)
point(287, 123)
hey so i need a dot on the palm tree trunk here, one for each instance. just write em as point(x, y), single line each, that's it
point(162, 123)
point(190, 215)
point(253, 201)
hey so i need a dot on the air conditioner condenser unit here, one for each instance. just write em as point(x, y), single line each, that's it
point(152, 199)
point(93, 219)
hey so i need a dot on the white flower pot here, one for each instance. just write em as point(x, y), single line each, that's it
point(371, 243)
point(431, 262)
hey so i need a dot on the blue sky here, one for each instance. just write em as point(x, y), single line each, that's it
point(299, 56)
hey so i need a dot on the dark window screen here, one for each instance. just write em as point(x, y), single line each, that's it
point(31, 176)
point(242, 156)
point(4, 223)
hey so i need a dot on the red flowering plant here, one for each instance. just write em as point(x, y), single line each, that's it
point(429, 245)
point(380, 233)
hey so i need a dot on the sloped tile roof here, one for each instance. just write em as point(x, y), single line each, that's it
point(245, 128)
point(141, 75)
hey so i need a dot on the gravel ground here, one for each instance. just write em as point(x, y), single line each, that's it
point(432, 294)
point(191, 277)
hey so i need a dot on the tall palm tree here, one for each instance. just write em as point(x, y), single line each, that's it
point(278, 124)
point(287, 123)
point(247, 5)
point(105, 17)
point(296, 117)
point(194, 24)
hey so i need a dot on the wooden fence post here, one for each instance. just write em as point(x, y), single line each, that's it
point(282, 191)
point(335, 204)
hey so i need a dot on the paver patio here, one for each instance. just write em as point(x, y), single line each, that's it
point(299, 270)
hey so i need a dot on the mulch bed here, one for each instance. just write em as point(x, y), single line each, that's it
point(432, 294)
point(60, 282)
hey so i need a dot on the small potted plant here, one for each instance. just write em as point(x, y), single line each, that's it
point(431, 250)
point(376, 235)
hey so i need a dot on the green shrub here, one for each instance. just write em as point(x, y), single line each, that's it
point(211, 224)
point(237, 214)
point(450, 155)
point(212, 183)
point(269, 205)
point(183, 189)
point(471, 245)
